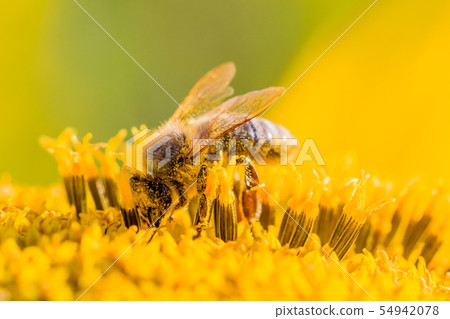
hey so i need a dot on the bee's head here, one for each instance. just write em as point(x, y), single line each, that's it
point(152, 195)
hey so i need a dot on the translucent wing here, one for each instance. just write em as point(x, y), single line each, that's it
point(207, 93)
point(239, 110)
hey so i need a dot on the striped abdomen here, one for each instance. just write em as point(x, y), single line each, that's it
point(266, 133)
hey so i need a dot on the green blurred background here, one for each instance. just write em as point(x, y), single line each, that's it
point(60, 69)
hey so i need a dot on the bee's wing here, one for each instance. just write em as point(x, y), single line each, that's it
point(207, 93)
point(241, 109)
point(235, 112)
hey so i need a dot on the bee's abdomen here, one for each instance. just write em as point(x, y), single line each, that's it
point(262, 131)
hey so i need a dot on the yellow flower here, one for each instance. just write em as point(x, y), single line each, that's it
point(361, 244)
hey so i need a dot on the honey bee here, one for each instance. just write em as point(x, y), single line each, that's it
point(229, 193)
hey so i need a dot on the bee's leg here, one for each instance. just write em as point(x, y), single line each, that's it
point(204, 203)
point(182, 200)
point(251, 201)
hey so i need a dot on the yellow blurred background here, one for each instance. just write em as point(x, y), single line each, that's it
point(381, 92)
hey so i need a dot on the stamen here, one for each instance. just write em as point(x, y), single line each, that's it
point(86, 152)
point(353, 218)
point(416, 228)
point(110, 167)
point(224, 209)
point(302, 210)
point(326, 221)
point(128, 206)
point(78, 190)
point(396, 219)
